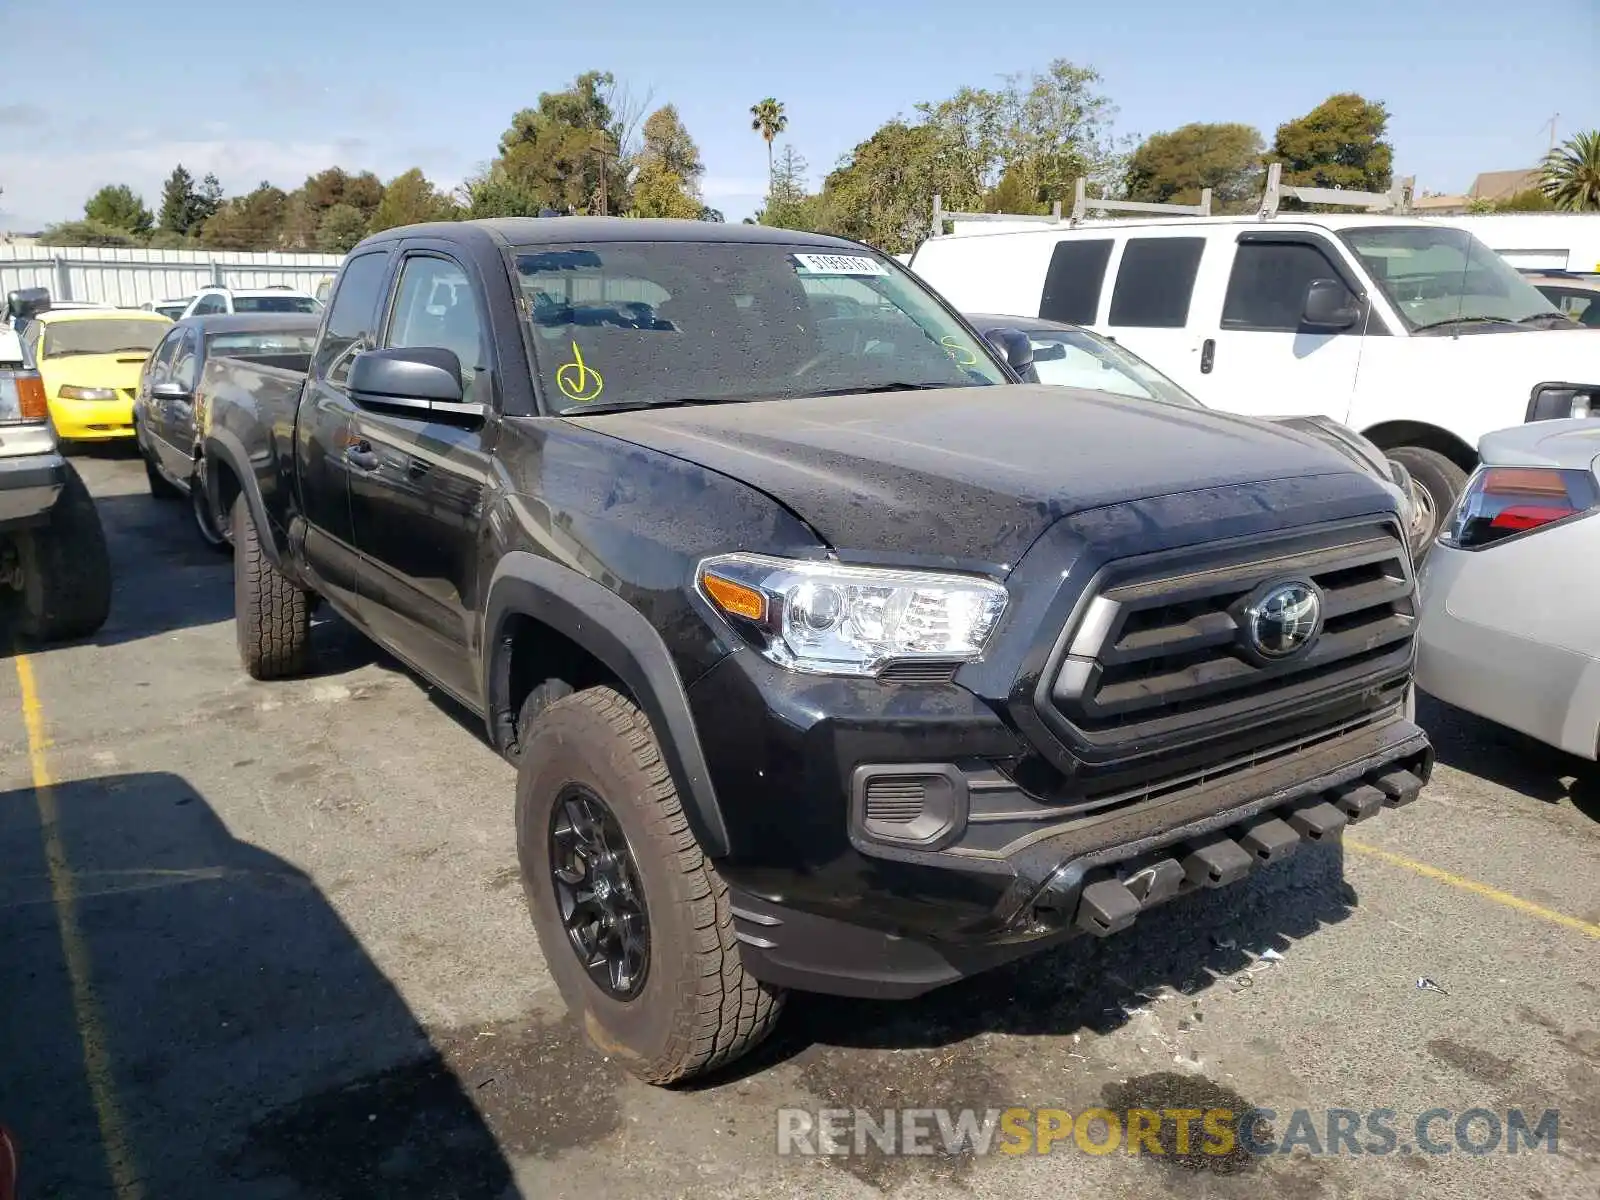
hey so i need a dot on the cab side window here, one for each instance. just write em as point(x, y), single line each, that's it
point(435, 307)
point(352, 318)
point(161, 361)
point(1267, 289)
point(186, 362)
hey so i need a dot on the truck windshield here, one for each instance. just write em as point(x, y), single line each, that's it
point(642, 323)
point(102, 337)
point(1437, 277)
point(274, 304)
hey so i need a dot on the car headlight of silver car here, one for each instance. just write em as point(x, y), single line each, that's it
point(1559, 401)
point(832, 619)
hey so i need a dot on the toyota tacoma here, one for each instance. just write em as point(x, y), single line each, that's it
point(833, 655)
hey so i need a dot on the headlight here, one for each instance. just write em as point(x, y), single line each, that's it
point(832, 619)
point(69, 392)
point(1558, 401)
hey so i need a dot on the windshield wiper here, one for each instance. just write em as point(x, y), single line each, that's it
point(1464, 321)
point(1557, 320)
point(900, 385)
point(636, 405)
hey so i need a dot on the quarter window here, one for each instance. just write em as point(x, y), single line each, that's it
point(1155, 281)
point(350, 323)
point(1072, 284)
point(1267, 289)
point(186, 365)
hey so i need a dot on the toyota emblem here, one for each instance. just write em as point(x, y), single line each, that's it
point(1283, 619)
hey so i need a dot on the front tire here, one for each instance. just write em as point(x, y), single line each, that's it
point(1436, 475)
point(685, 1004)
point(272, 616)
point(66, 569)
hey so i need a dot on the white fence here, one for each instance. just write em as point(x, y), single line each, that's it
point(129, 278)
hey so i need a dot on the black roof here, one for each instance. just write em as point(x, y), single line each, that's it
point(531, 231)
point(254, 322)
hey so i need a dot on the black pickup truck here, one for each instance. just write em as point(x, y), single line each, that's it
point(833, 655)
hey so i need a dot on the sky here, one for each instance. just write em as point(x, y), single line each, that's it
point(278, 91)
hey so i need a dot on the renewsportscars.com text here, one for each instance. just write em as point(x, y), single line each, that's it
point(1169, 1131)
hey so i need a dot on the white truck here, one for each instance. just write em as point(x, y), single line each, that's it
point(1411, 331)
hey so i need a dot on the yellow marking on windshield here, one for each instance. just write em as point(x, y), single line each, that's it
point(578, 380)
point(955, 349)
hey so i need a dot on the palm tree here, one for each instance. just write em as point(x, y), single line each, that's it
point(1570, 176)
point(769, 121)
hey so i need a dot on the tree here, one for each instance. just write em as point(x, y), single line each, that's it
point(882, 192)
point(789, 205)
point(342, 226)
point(88, 232)
point(178, 201)
point(668, 142)
point(1173, 168)
point(769, 120)
point(409, 199)
point(206, 203)
point(668, 179)
point(253, 222)
point(572, 153)
point(1570, 176)
point(1338, 144)
point(117, 206)
point(1528, 200)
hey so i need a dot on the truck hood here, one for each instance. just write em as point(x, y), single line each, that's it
point(1517, 360)
point(970, 474)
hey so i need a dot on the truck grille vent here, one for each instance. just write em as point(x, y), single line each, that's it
point(919, 672)
point(895, 801)
point(1161, 652)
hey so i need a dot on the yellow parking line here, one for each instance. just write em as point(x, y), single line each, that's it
point(91, 1029)
point(1477, 889)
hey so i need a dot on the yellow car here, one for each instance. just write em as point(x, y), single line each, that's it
point(90, 360)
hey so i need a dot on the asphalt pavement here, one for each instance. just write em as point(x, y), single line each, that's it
point(268, 940)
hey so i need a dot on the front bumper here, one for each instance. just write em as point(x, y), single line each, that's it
point(30, 485)
point(92, 420)
point(1499, 637)
point(822, 902)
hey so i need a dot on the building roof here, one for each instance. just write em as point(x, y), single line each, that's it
point(1497, 185)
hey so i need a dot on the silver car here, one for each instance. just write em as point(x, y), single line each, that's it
point(1508, 627)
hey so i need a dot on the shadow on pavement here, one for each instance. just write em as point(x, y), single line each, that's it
point(253, 1047)
point(1470, 744)
point(1192, 945)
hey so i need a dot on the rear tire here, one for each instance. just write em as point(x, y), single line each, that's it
point(160, 486)
point(272, 616)
point(1436, 475)
point(696, 1008)
point(66, 569)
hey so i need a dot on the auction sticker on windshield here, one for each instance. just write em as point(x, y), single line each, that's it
point(839, 264)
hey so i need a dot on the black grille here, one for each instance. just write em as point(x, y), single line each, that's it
point(1160, 653)
point(896, 801)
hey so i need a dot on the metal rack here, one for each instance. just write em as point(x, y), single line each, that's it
point(1396, 200)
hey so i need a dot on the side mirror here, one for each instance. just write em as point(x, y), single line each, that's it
point(26, 303)
point(174, 392)
point(1014, 347)
point(420, 381)
point(1329, 305)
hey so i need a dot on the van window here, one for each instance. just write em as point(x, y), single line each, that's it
point(1155, 281)
point(1267, 288)
point(1072, 285)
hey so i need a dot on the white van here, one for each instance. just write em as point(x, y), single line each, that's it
point(1410, 331)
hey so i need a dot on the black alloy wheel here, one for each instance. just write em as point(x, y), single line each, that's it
point(598, 893)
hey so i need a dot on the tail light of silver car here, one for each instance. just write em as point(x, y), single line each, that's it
point(1561, 401)
point(22, 399)
point(1505, 502)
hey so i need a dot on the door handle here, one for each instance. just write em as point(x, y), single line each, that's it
point(362, 457)
point(1208, 355)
